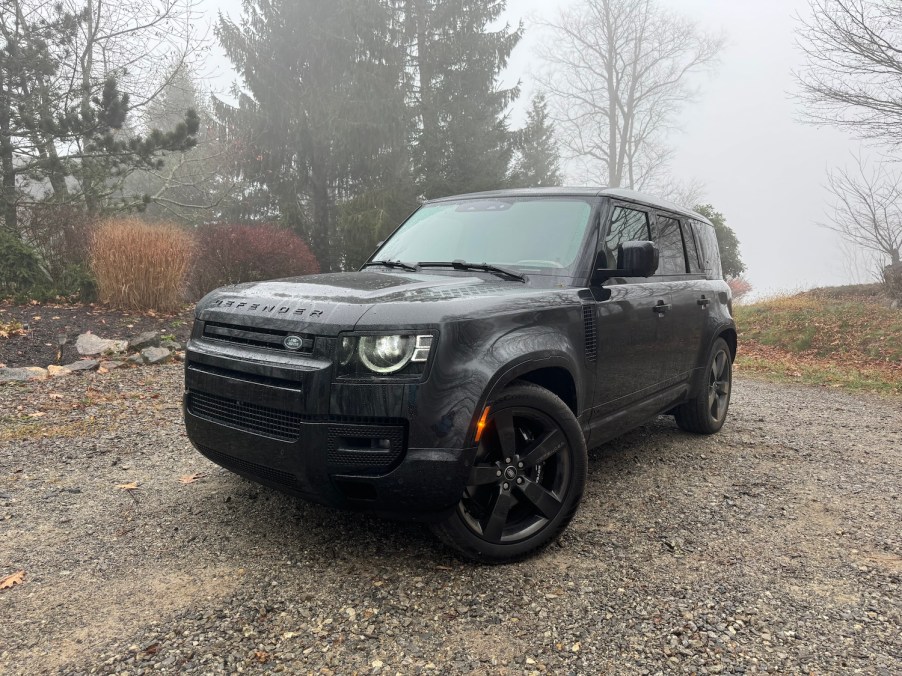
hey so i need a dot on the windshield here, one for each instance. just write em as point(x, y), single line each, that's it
point(537, 235)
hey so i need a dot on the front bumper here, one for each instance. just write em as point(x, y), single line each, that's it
point(341, 445)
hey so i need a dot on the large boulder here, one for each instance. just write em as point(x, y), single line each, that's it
point(146, 339)
point(89, 345)
point(156, 355)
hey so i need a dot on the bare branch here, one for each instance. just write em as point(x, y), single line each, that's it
point(853, 71)
point(617, 72)
point(867, 207)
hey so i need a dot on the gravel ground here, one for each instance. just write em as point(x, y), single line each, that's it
point(771, 547)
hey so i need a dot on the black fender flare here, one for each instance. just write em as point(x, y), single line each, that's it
point(519, 366)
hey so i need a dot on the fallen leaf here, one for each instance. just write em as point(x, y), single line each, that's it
point(133, 486)
point(191, 478)
point(10, 580)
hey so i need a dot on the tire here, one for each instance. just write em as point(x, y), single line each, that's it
point(526, 482)
point(707, 412)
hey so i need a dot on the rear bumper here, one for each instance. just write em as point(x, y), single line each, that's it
point(265, 429)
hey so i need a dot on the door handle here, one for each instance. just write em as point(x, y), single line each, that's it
point(662, 308)
point(704, 302)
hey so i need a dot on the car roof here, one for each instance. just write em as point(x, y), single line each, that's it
point(616, 193)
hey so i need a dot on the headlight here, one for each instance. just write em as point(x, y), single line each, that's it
point(385, 354)
point(397, 355)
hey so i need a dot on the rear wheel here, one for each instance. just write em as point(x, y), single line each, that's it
point(526, 482)
point(707, 412)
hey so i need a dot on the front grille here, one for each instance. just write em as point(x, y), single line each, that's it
point(271, 339)
point(238, 465)
point(269, 422)
point(369, 450)
point(246, 377)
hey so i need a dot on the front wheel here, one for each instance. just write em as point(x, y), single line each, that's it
point(707, 412)
point(526, 482)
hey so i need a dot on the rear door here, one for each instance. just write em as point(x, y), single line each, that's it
point(632, 319)
point(679, 271)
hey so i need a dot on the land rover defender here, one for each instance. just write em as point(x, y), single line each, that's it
point(461, 374)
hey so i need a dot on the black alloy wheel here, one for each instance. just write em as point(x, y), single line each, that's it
point(527, 479)
point(707, 412)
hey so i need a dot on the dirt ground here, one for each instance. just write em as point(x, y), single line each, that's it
point(40, 326)
point(772, 547)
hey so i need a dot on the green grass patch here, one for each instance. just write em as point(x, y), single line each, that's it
point(840, 337)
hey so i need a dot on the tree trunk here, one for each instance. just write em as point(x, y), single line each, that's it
point(614, 174)
point(6, 157)
point(322, 210)
point(92, 202)
point(427, 109)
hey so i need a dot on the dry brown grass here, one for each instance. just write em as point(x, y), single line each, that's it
point(141, 266)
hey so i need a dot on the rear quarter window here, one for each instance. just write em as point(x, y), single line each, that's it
point(709, 250)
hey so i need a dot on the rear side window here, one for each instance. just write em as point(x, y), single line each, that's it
point(627, 225)
point(710, 253)
point(695, 263)
point(670, 247)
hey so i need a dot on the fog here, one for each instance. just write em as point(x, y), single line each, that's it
point(739, 138)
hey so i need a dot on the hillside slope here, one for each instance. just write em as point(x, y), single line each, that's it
point(839, 336)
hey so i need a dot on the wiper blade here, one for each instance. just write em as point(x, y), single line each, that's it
point(484, 267)
point(394, 264)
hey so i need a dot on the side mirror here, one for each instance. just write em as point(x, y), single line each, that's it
point(634, 259)
point(637, 259)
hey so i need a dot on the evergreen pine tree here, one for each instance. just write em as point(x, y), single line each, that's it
point(538, 159)
point(321, 115)
point(463, 142)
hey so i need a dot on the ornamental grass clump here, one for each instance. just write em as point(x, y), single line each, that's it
point(141, 266)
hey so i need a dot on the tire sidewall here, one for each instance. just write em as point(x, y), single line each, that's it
point(719, 345)
point(526, 395)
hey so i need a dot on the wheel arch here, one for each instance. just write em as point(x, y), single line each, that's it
point(731, 338)
point(554, 372)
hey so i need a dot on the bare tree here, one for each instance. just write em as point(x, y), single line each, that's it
point(853, 73)
point(867, 208)
point(617, 74)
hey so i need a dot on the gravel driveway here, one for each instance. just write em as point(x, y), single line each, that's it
point(773, 546)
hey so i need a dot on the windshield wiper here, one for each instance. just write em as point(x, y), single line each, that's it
point(394, 265)
point(484, 267)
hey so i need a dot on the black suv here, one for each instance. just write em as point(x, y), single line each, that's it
point(460, 376)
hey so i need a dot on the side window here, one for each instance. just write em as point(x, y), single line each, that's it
point(695, 263)
point(670, 247)
point(627, 225)
point(709, 249)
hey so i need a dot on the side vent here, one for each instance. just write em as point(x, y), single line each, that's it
point(591, 332)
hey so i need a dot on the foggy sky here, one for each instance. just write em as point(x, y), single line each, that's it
point(760, 167)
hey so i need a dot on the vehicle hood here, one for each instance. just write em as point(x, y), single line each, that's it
point(339, 300)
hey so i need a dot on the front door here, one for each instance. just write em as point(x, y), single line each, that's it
point(633, 322)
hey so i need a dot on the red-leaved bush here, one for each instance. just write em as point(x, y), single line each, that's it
point(231, 254)
point(740, 287)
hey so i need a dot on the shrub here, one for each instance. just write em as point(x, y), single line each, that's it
point(740, 287)
point(20, 266)
point(61, 235)
point(141, 266)
point(231, 254)
point(892, 278)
